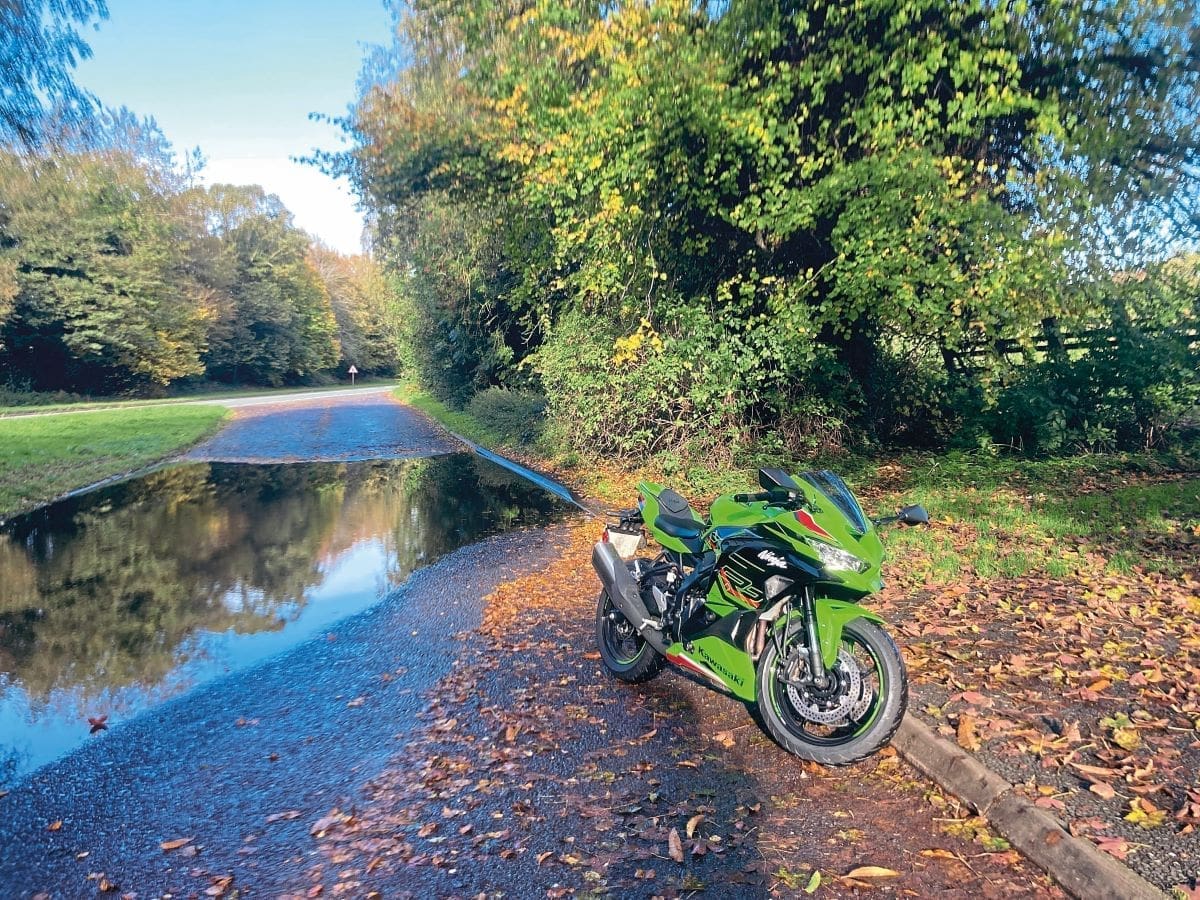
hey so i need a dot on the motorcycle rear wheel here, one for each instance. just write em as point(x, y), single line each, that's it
point(881, 675)
point(625, 654)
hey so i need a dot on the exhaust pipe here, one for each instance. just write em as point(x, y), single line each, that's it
point(623, 591)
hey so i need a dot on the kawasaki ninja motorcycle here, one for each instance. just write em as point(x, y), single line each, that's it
point(761, 600)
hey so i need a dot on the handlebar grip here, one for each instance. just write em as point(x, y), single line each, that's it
point(750, 498)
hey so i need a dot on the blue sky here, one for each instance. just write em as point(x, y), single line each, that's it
point(238, 78)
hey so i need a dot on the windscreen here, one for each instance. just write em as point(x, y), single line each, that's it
point(832, 486)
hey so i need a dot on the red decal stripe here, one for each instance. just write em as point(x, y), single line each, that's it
point(695, 667)
point(810, 523)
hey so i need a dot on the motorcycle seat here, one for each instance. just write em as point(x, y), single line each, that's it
point(676, 526)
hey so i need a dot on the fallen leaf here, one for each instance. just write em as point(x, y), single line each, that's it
point(1145, 814)
point(357, 702)
point(1114, 846)
point(692, 823)
point(1102, 789)
point(542, 857)
point(427, 829)
point(1097, 771)
point(675, 846)
point(97, 723)
point(976, 699)
point(814, 882)
point(939, 853)
point(872, 872)
point(324, 823)
point(283, 816)
point(175, 844)
point(968, 739)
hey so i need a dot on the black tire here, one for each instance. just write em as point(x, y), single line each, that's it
point(839, 744)
point(624, 652)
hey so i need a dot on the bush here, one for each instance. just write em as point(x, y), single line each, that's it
point(1124, 395)
point(516, 417)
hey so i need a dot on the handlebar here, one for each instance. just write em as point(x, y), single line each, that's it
point(780, 497)
point(751, 498)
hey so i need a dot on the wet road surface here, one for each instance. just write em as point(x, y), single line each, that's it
point(290, 738)
point(364, 425)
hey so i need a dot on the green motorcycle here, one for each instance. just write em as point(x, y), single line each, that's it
point(761, 601)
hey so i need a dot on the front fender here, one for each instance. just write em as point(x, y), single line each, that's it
point(832, 615)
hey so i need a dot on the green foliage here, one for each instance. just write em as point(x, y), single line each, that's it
point(39, 45)
point(101, 292)
point(516, 417)
point(701, 227)
point(448, 266)
point(276, 323)
point(118, 274)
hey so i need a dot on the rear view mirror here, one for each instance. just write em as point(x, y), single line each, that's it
point(913, 515)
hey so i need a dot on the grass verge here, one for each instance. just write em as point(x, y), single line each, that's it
point(995, 516)
point(16, 405)
point(45, 457)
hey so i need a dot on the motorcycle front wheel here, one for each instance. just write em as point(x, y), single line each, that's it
point(855, 716)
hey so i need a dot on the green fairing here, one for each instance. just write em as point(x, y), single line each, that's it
point(732, 666)
point(850, 585)
point(832, 615)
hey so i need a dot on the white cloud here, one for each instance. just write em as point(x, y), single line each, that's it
point(321, 206)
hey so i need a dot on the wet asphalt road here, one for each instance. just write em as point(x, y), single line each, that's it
point(367, 425)
point(291, 737)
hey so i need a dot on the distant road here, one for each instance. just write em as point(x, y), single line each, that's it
point(366, 423)
point(275, 397)
point(260, 399)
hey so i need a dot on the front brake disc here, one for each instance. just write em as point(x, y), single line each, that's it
point(850, 702)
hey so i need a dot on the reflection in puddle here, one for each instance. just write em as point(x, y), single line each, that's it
point(118, 599)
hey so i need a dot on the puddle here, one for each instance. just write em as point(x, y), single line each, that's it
point(119, 599)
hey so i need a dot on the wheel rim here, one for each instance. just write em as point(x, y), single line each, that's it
point(872, 678)
point(621, 642)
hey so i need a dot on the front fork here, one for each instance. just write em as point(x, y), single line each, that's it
point(805, 604)
point(816, 665)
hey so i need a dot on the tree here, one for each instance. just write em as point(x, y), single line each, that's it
point(770, 218)
point(101, 295)
point(39, 46)
point(367, 309)
point(276, 323)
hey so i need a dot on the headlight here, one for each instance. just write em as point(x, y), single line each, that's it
point(838, 560)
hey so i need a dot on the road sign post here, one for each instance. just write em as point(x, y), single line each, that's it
point(353, 372)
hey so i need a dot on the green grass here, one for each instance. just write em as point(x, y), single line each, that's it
point(1009, 517)
point(459, 421)
point(44, 457)
point(30, 405)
